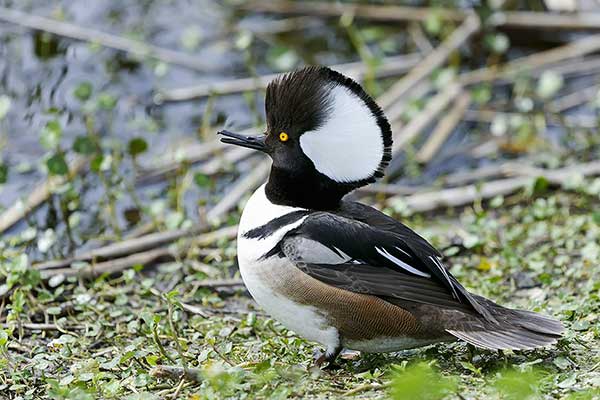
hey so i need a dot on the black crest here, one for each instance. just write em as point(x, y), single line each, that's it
point(299, 101)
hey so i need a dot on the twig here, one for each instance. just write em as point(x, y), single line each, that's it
point(183, 151)
point(505, 19)
point(373, 12)
point(578, 48)
point(478, 174)
point(545, 20)
point(433, 60)
point(419, 38)
point(178, 389)
point(365, 387)
point(109, 267)
point(177, 373)
point(455, 197)
point(574, 99)
point(73, 31)
point(577, 66)
point(389, 66)
point(39, 195)
point(389, 188)
point(230, 155)
point(444, 128)
point(134, 248)
point(431, 111)
point(249, 182)
point(569, 121)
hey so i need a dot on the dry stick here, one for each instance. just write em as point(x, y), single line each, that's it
point(229, 155)
point(184, 151)
point(433, 60)
point(505, 169)
point(250, 182)
point(460, 196)
point(141, 258)
point(129, 246)
point(569, 121)
point(419, 38)
point(109, 267)
point(576, 66)
point(285, 25)
point(105, 39)
point(574, 99)
point(373, 12)
point(481, 173)
point(39, 195)
point(444, 128)
point(507, 19)
point(545, 20)
point(416, 125)
point(578, 48)
point(390, 66)
point(389, 188)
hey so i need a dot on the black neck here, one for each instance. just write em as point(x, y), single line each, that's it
point(309, 189)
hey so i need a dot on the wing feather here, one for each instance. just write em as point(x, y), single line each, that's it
point(375, 261)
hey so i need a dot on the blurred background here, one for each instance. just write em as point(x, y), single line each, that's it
point(118, 206)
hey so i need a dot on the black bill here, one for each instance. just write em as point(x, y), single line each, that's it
point(252, 142)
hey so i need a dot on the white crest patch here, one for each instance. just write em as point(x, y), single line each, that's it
point(349, 146)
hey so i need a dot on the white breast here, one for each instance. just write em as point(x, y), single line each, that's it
point(263, 277)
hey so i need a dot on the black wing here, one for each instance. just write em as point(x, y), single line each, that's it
point(354, 255)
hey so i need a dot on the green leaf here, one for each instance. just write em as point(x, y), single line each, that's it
point(581, 325)
point(152, 359)
point(51, 134)
point(83, 91)
point(497, 43)
point(96, 163)
point(516, 385)
point(5, 104)
point(3, 337)
point(137, 146)
point(3, 173)
point(53, 310)
point(84, 145)
point(202, 180)
point(421, 381)
point(433, 23)
point(57, 165)
point(596, 217)
point(106, 101)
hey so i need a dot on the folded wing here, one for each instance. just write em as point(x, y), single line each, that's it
point(362, 258)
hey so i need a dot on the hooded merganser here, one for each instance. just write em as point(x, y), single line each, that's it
point(342, 273)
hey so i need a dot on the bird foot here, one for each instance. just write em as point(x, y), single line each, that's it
point(324, 360)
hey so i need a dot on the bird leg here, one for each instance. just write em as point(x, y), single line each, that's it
point(328, 356)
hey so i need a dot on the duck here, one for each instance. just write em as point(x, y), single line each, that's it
point(338, 272)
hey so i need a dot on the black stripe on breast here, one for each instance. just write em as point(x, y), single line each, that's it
point(275, 224)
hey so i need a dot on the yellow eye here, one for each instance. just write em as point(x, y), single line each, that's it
point(283, 137)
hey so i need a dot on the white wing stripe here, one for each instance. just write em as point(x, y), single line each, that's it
point(437, 262)
point(408, 255)
point(401, 263)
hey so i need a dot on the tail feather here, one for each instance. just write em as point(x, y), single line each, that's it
point(515, 330)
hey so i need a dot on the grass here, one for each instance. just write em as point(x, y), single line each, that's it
point(536, 252)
